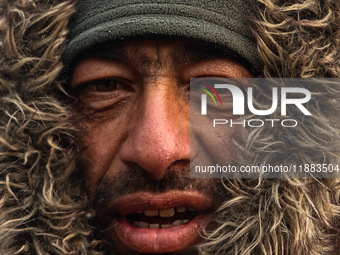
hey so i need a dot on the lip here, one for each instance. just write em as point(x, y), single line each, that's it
point(147, 240)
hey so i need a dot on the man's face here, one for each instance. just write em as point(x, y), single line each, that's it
point(135, 135)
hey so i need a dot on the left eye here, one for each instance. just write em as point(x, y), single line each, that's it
point(106, 85)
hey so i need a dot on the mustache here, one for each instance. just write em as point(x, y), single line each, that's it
point(129, 181)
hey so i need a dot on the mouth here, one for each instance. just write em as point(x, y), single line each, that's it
point(156, 219)
point(156, 223)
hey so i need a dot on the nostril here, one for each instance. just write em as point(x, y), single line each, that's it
point(160, 137)
point(157, 155)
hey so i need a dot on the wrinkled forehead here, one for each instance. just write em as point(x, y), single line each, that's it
point(158, 57)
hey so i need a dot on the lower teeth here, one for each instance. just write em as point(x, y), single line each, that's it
point(142, 224)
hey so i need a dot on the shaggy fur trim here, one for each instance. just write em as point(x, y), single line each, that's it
point(289, 216)
point(41, 211)
point(44, 211)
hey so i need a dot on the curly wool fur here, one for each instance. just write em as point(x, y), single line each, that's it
point(43, 211)
point(289, 216)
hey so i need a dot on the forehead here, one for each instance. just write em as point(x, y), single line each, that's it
point(163, 57)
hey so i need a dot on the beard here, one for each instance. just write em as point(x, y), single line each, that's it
point(129, 181)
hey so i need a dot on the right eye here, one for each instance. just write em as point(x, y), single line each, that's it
point(104, 85)
point(102, 93)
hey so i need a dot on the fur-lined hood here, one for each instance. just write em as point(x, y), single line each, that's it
point(43, 209)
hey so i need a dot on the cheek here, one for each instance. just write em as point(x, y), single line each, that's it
point(99, 143)
point(210, 146)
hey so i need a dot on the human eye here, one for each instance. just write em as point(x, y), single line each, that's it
point(104, 86)
point(101, 93)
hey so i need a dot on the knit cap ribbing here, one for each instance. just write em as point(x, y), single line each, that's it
point(218, 23)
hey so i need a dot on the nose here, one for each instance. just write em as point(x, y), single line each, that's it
point(160, 135)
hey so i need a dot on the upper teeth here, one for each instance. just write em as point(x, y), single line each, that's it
point(165, 213)
point(150, 213)
point(181, 209)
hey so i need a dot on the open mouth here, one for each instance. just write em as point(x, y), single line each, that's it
point(157, 223)
point(156, 219)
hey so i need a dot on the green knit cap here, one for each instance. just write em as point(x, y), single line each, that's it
point(219, 23)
